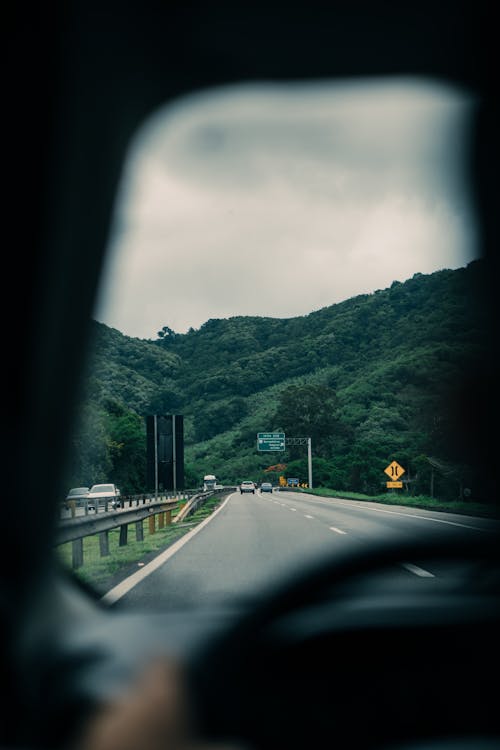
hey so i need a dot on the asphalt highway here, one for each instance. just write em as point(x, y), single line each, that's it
point(252, 542)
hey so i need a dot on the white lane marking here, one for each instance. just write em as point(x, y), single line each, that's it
point(338, 531)
point(125, 586)
point(414, 515)
point(306, 516)
point(420, 572)
point(294, 509)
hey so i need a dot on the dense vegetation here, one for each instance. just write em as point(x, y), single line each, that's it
point(381, 376)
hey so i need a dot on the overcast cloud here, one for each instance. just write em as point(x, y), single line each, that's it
point(278, 200)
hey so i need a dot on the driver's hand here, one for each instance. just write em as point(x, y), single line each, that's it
point(153, 715)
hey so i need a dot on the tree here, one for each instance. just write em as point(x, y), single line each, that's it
point(310, 411)
point(213, 419)
point(127, 447)
point(166, 333)
point(164, 401)
point(90, 459)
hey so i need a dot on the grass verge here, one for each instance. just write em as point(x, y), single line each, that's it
point(465, 507)
point(102, 573)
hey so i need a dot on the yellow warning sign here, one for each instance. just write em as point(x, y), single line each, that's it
point(394, 485)
point(394, 471)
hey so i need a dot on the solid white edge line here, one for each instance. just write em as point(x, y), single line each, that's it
point(407, 515)
point(122, 588)
point(420, 572)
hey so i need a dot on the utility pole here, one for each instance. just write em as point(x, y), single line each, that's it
point(309, 463)
point(155, 418)
point(165, 452)
point(174, 455)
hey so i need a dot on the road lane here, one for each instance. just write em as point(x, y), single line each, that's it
point(250, 544)
point(361, 515)
point(365, 521)
point(254, 540)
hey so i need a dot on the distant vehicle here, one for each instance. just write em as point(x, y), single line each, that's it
point(266, 487)
point(209, 482)
point(247, 487)
point(100, 493)
point(77, 495)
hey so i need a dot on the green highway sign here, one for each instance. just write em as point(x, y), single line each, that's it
point(271, 441)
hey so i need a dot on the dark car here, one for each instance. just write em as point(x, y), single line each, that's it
point(76, 495)
point(266, 487)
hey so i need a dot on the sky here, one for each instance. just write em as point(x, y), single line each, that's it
point(277, 199)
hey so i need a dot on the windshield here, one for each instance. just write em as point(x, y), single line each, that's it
point(257, 248)
point(293, 293)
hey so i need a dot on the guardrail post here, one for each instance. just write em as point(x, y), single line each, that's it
point(123, 535)
point(139, 531)
point(104, 543)
point(77, 552)
point(76, 529)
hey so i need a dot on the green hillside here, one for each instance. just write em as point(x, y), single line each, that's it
point(374, 378)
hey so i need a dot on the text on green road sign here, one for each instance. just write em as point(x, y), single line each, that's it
point(271, 441)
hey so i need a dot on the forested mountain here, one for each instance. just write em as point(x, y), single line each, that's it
point(371, 379)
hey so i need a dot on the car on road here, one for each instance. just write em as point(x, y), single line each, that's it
point(76, 495)
point(247, 487)
point(266, 487)
point(100, 494)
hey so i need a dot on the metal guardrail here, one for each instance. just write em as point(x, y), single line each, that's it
point(75, 529)
point(81, 526)
point(70, 508)
point(194, 503)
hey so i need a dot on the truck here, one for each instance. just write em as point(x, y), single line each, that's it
point(209, 482)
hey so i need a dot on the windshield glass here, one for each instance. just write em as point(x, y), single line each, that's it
point(292, 294)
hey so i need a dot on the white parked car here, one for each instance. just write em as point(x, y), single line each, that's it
point(99, 494)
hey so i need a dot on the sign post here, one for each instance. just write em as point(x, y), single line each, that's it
point(394, 471)
point(309, 462)
point(156, 454)
point(164, 452)
point(276, 441)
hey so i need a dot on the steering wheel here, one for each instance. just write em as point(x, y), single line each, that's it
point(290, 674)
